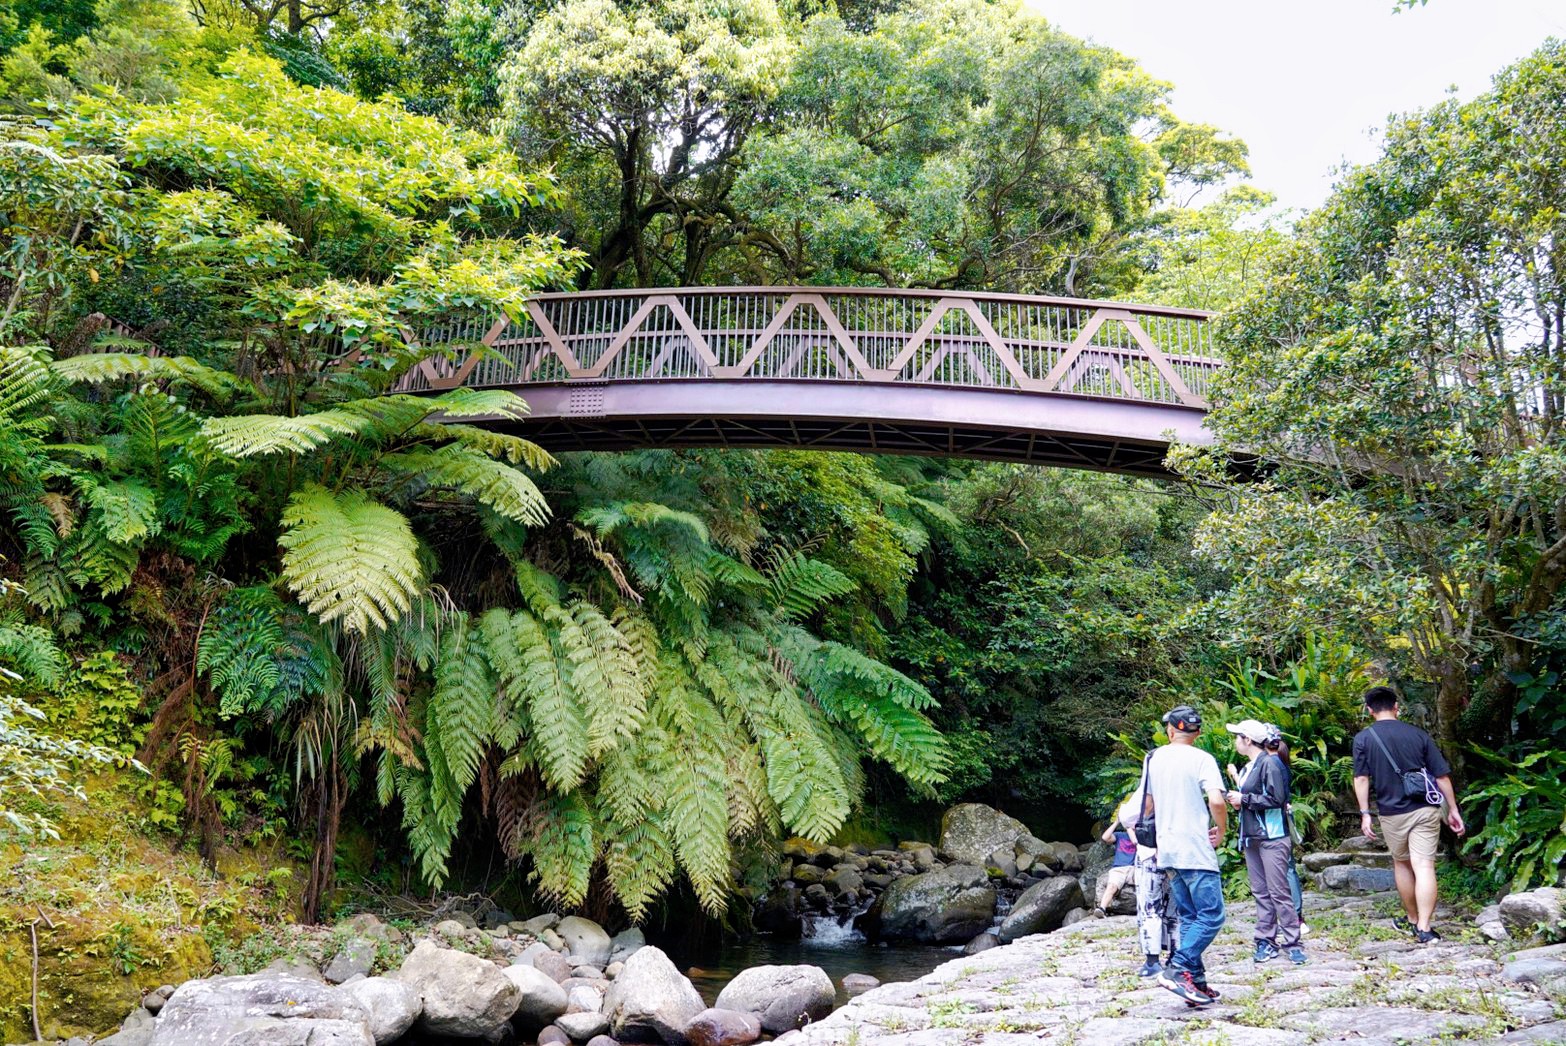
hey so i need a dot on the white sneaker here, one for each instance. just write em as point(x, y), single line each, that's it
point(1304, 929)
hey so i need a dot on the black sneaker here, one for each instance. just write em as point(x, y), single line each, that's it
point(1208, 990)
point(1426, 936)
point(1184, 985)
point(1151, 968)
point(1401, 922)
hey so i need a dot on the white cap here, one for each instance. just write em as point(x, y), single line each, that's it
point(1251, 729)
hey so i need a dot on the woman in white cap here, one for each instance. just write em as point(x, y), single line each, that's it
point(1263, 799)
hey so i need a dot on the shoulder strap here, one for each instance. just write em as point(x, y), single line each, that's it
point(1147, 783)
point(1371, 730)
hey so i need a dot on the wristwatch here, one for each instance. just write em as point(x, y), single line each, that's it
point(1364, 813)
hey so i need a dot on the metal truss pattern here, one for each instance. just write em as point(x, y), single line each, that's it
point(1053, 380)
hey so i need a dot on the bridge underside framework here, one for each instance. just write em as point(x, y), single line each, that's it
point(1097, 385)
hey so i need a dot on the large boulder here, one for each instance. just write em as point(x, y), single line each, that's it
point(971, 832)
point(464, 996)
point(390, 1006)
point(260, 1010)
point(542, 997)
point(1350, 878)
point(586, 939)
point(1040, 908)
point(1534, 915)
point(782, 998)
point(718, 1027)
point(651, 1000)
point(940, 907)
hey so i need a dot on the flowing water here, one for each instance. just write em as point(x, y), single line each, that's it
point(836, 948)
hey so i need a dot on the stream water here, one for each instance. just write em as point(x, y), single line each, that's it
point(837, 949)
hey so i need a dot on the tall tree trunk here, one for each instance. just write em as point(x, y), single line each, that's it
point(328, 797)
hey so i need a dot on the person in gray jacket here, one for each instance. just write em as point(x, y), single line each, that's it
point(1263, 801)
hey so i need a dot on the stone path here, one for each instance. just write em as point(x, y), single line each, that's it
point(1366, 983)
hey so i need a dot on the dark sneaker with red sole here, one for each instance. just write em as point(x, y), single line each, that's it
point(1185, 986)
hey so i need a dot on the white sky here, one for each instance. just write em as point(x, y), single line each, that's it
point(1308, 83)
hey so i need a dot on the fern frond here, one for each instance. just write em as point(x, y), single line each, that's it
point(125, 510)
point(349, 558)
point(639, 861)
point(606, 677)
point(29, 651)
point(478, 403)
point(460, 716)
point(98, 367)
point(503, 488)
point(513, 450)
point(537, 689)
point(565, 849)
point(691, 765)
point(800, 584)
point(249, 435)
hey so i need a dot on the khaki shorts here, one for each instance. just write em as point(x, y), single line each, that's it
point(1413, 836)
point(1115, 879)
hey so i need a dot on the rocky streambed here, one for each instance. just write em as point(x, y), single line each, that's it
point(987, 881)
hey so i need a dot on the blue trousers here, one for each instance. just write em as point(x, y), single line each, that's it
point(1198, 897)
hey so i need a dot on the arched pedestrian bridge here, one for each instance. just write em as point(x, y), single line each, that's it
point(1059, 381)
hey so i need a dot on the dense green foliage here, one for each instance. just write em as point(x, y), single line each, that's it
point(306, 602)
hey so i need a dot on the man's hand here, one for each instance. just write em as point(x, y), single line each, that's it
point(1366, 827)
point(1215, 836)
point(1454, 821)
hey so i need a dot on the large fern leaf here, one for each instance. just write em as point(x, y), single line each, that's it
point(349, 558)
point(502, 487)
point(98, 367)
point(250, 435)
point(565, 849)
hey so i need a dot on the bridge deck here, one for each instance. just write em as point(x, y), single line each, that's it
point(1060, 381)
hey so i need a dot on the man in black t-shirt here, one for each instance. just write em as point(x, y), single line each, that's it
point(1389, 755)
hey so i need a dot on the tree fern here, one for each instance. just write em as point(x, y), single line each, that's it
point(564, 849)
point(799, 584)
point(251, 435)
point(495, 484)
point(639, 862)
point(538, 691)
point(502, 446)
point(349, 559)
point(99, 367)
point(690, 762)
point(30, 651)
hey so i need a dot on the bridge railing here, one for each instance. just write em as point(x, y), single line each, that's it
point(1060, 346)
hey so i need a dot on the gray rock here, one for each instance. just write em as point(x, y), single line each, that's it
point(584, 999)
point(601, 1040)
point(1321, 861)
point(542, 997)
point(613, 969)
point(938, 907)
point(552, 963)
point(970, 832)
point(586, 939)
point(451, 928)
point(551, 1036)
point(854, 983)
point(1534, 971)
point(1074, 916)
point(553, 940)
point(719, 1027)
point(1069, 858)
point(464, 996)
point(807, 874)
point(651, 1000)
point(781, 997)
point(1003, 861)
point(391, 1006)
point(259, 1010)
point(526, 956)
point(625, 944)
point(466, 919)
point(982, 943)
point(1350, 878)
point(539, 923)
point(845, 880)
point(136, 1031)
point(1041, 907)
point(354, 959)
point(1534, 915)
point(583, 1026)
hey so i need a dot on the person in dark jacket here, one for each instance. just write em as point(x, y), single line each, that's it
point(1263, 800)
